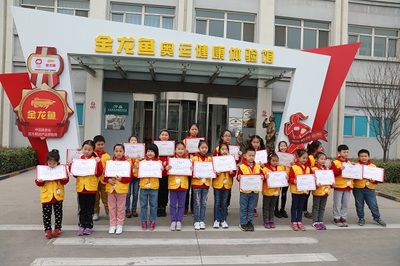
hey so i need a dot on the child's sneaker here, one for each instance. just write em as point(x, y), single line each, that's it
point(119, 229)
point(202, 226)
point(337, 222)
point(295, 227)
point(144, 225)
point(307, 215)
point(173, 226)
point(322, 225)
point(277, 214)
point(361, 221)
point(255, 213)
point(224, 225)
point(152, 225)
point(185, 212)
point(243, 227)
point(196, 226)
point(112, 229)
point(134, 213)
point(87, 231)
point(380, 222)
point(216, 224)
point(48, 234)
point(284, 214)
point(80, 231)
point(57, 232)
point(301, 226)
point(178, 226)
point(267, 225)
point(272, 224)
point(250, 226)
point(96, 217)
point(344, 222)
point(316, 225)
point(128, 214)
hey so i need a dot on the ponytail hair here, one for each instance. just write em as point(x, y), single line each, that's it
point(53, 155)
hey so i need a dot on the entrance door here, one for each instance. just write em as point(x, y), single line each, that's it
point(217, 117)
point(143, 116)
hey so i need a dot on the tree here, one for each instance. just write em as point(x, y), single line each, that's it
point(379, 96)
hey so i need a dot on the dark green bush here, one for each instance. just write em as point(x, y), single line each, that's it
point(392, 171)
point(14, 159)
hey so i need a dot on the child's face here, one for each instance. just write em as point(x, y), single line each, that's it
point(363, 157)
point(99, 146)
point(150, 154)
point(320, 149)
point(250, 156)
point(193, 131)
point(119, 152)
point(52, 163)
point(274, 161)
point(180, 150)
point(164, 136)
point(226, 138)
point(133, 140)
point(224, 150)
point(321, 160)
point(282, 147)
point(303, 159)
point(344, 154)
point(87, 150)
point(255, 143)
point(203, 149)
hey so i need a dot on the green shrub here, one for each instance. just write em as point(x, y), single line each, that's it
point(14, 159)
point(392, 171)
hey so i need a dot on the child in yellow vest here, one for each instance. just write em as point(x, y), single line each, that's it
point(117, 188)
point(133, 191)
point(270, 195)
point(320, 195)
point(51, 197)
point(279, 213)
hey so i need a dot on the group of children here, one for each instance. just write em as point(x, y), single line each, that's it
point(121, 194)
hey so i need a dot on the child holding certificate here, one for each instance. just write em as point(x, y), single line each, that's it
point(222, 185)
point(270, 195)
point(320, 195)
point(163, 188)
point(149, 190)
point(133, 191)
point(364, 191)
point(117, 188)
point(298, 197)
point(200, 188)
point(279, 213)
point(342, 188)
point(86, 186)
point(99, 142)
point(178, 186)
point(51, 197)
point(248, 198)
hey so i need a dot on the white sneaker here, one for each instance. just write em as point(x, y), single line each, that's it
point(202, 225)
point(224, 225)
point(119, 229)
point(216, 224)
point(196, 226)
point(173, 226)
point(96, 217)
point(112, 229)
point(178, 226)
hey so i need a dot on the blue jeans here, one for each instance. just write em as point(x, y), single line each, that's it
point(368, 196)
point(134, 193)
point(296, 210)
point(148, 196)
point(220, 204)
point(200, 204)
point(247, 203)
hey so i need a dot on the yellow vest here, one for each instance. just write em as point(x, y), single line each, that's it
point(322, 190)
point(104, 158)
point(364, 183)
point(266, 191)
point(201, 181)
point(223, 179)
point(149, 182)
point(119, 187)
point(341, 182)
point(89, 182)
point(246, 170)
point(50, 189)
point(298, 171)
point(178, 181)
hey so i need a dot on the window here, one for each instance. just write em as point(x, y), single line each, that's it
point(376, 42)
point(278, 120)
point(154, 16)
point(348, 126)
point(70, 7)
point(301, 34)
point(79, 113)
point(230, 25)
point(362, 126)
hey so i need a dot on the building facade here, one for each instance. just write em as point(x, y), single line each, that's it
point(173, 97)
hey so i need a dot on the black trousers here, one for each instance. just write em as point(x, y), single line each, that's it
point(163, 192)
point(86, 207)
point(47, 211)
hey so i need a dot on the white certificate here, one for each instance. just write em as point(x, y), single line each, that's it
point(305, 182)
point(135, 150)
point(82, 167)
point(180, 166)
point(324, 177)
point(203, 170)
point(165, 148)
point(354, 171)
point(285, 158)
point(118, 168)
point(192, 144)
point(250, 182)
point(374, 173)
point(261, 156)
point(150, 169)
point(224, 163)
point(46, 173)
point(277, 179)
point(73, 154)
point(234, 150)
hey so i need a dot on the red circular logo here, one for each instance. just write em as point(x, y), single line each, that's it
point(38, 61)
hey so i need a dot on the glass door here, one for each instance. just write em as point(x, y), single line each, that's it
point(143, 117)
point(217, 117)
